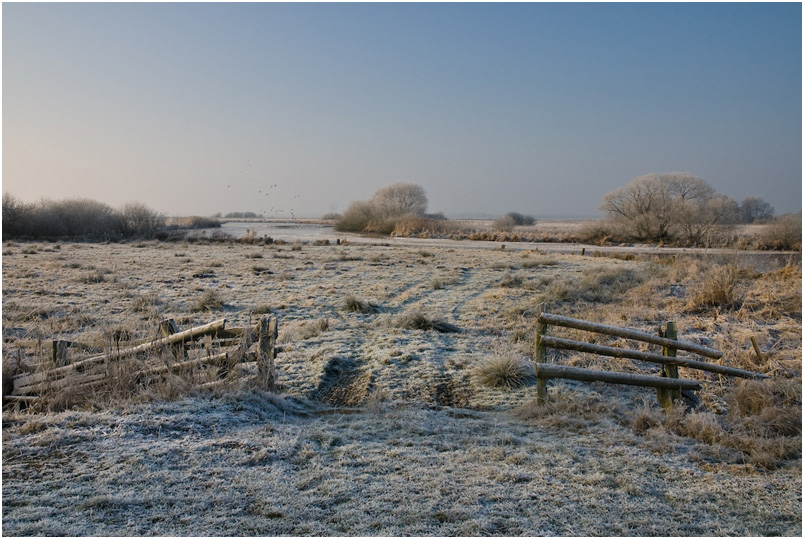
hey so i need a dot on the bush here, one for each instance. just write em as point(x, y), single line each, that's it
point(506, 223)
point(385, 210)
point(784, 233)
point(669, 207)
point(77, 219)
point(140, 221)
point(357, 217)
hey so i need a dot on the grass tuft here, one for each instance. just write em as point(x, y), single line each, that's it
point(209, 301)
point(353, 304)
point(718, 288)
point(418, 320)
point(505, 371)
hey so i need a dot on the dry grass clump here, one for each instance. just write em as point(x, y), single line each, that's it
point(511, 281)
point(505, 371)
point(422, 227)
point(210, 300)
point(572, 409)
point(783, 233)
point(353, 304)
point(301, 331)
point(717, 288)
point(776, 294)
point(418, 320)
point(762, 426)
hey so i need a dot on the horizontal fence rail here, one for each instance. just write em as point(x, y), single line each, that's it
point(611, 351)
point(98, 369)
point(549, 370)
point(556, 320)
point(669, 385)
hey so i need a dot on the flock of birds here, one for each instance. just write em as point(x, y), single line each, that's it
point(273, 211)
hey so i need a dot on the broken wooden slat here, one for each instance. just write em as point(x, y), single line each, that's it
point(80, 366)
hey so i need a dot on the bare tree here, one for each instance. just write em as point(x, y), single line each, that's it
point(676, 205)
point(400, 199)
point(755, 209)
point(644, 205)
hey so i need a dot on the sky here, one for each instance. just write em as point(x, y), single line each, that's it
point(300, 109)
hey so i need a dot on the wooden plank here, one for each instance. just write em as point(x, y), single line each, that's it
point(95, 379)
point(549, 370)
point(79, 366)
point(574, 323)
point(50, 385)
point(566, 344)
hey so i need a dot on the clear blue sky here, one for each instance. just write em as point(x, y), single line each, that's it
point(536, 108)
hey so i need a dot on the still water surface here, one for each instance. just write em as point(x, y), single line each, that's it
point(304, 231)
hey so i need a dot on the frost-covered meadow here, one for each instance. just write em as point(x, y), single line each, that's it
point(379, 427)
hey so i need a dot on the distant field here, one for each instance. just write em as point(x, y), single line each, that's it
point(378, 428)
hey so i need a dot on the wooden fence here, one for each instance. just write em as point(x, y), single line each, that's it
point(669, 385)
point(213, 346)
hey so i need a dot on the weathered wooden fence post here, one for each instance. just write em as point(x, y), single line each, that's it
point(541, 356)
point(168, 327)
point(266, 369)
point(60, 353)
point(667, 396)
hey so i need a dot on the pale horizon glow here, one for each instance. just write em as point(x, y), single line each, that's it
point(300, 109)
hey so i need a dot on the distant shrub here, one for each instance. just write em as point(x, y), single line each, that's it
point(784, 233)
point(332, 216)
point(195, 222)
point(138, 220)
point(239, 215)
point(387, 209)
point(77, 219)
point(422, 226)
point(508, 221)
point(357, 217)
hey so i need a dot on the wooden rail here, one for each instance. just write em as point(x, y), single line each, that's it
point(556, 320)
point(97, 369)
point(668, 386)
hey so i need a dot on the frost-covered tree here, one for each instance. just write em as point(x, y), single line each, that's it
point(400, 199)
point(676, 205)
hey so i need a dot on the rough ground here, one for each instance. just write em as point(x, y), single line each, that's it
point(430, 450)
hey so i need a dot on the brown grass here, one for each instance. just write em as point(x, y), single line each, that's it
point(505, 371)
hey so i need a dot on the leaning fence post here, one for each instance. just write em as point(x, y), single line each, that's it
point(541, 356)
point(266, 369)
point(667, 396)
